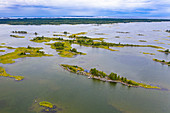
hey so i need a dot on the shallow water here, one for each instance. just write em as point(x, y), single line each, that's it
point(46, 80)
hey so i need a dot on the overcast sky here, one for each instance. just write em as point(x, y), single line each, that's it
point(115, 8)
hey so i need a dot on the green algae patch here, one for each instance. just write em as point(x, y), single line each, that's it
point(102, 76)
point(65, 49)
point(22, 52)
point(5, 74)
point(162, 61)
point(46, 104)
point(17, 36)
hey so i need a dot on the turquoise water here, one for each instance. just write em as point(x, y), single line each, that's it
point(46, 80)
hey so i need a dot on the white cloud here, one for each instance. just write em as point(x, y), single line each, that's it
point(98, 4)
point(76, 7)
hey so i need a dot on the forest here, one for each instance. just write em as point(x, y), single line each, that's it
point(58, 21)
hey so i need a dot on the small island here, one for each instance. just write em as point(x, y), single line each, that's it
point(2, 50)
point(164, 51)
point(22, 52)
point(162, 61)
point(17, 36)
point(46, 104)
point(8, 47)
point(65, 49)
point(148, 53)
point(45, 107)
point(100, 75)
point(5, 74)
point(20, 32)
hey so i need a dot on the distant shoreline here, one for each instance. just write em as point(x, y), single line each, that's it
point(73, 21)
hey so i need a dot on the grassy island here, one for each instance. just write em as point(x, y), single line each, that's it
point(7, 47)
point(162, 61)
point(5, 74)
point(148, 53)
point(45, 39)
point(46, 104)
point(2, 50)
point(17, 36)
point(91, 42)
point(22, 52)
point(164, 51)
point(100, 75)
point(65, 49)
point(45, 107)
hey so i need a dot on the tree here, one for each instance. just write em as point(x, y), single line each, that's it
point(167, 50)
point(65, 32)
point(36, 33)
point(73, 50)
point(125, 79)
point(129, 82)
point(118, 77)
point(29, 47)
point(93, 72)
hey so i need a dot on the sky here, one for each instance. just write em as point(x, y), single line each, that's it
point(57, 8)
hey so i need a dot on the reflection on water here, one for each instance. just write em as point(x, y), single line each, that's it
point(45, 80)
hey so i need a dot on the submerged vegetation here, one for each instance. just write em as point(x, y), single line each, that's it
point(22, 52)
point(100, 75)
point(5, 74)
point(17, 36)
point(162, 61)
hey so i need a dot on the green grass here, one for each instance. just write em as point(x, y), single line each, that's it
point(65, 50)
point(21, 52)
point(73, 68)
point(2, 50)
point(5, 74)
point(17, 36)
point(46, 104)
point(149, 53)
point(7, 47)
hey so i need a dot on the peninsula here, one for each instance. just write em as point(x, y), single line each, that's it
point(100, 75)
